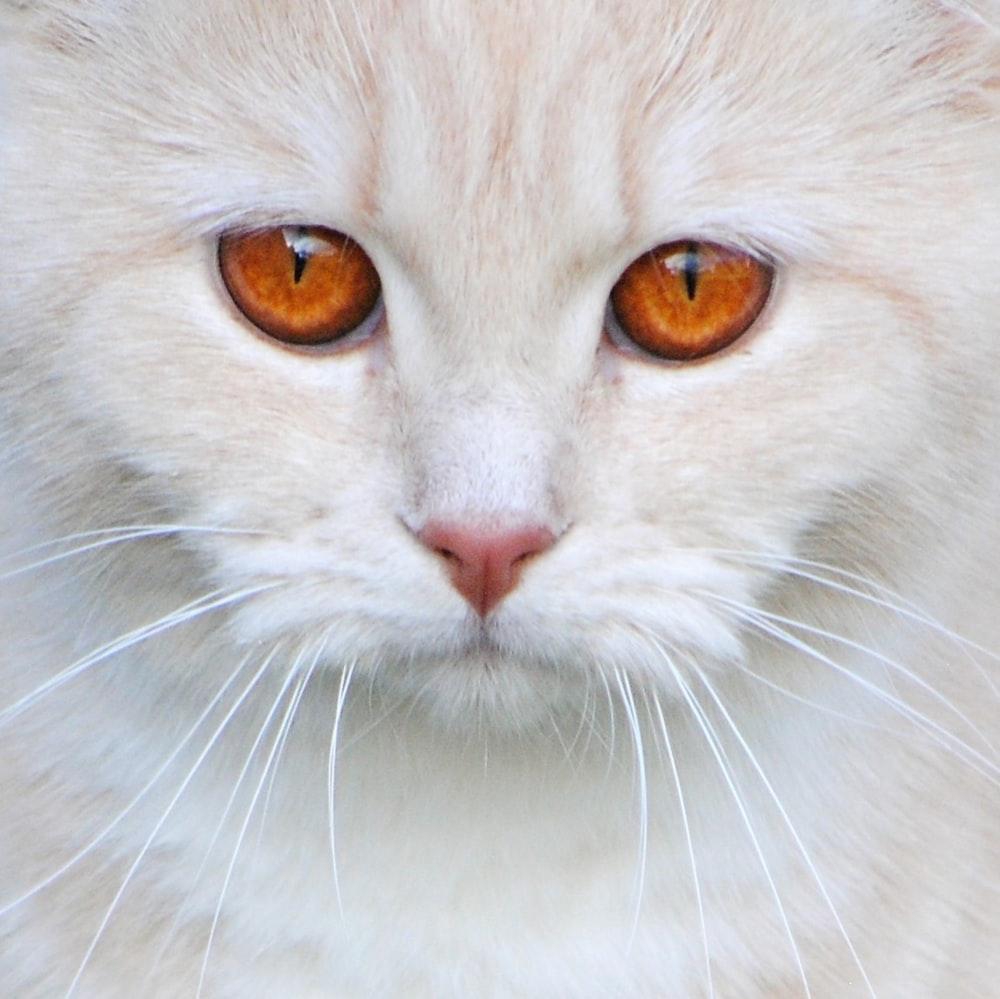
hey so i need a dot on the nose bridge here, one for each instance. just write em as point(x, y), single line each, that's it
point(484, 457)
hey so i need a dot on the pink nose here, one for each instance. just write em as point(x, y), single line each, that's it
point(485, 566)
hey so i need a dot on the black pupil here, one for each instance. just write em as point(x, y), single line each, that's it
point(692, 270)
point(301, 259)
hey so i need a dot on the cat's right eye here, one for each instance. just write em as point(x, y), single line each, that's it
point(307, 286)
point(685, 300)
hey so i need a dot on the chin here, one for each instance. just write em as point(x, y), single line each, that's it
point(482, 691)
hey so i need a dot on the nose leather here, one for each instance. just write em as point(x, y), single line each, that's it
point(485, 566)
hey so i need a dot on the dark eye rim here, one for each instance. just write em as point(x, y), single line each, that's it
point(366, 331)
point(615, 336)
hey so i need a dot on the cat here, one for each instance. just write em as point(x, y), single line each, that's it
point(499, 499)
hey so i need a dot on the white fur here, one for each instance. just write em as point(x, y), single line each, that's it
point(731, 736)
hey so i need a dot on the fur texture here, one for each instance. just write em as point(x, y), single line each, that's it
point(732, 735)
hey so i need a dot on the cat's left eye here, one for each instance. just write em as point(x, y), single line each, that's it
point(686, 300)
point(307, 286)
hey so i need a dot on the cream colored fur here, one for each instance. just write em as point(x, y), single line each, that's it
point(733, 735)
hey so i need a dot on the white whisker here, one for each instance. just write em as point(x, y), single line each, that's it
point(689, 840)
point(311, 669)
point(217, 600)
point(642, 787)
point(772, 624)
point(95, 841)
point(869, 591)
point(817, 706)
point(566, 746)
point(160, 823)
point(818, 880)
point(725, 768)
point(192, 771)
point(611, 739)
point(110, 538)
point(588, 718)
point(299, 687)
point(346, 676)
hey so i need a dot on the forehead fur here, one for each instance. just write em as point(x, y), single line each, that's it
point(478, 73)
point(504, 92)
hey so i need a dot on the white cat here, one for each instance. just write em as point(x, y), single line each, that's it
point(499, 499)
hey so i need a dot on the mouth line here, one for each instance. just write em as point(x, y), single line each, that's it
point(478, 645)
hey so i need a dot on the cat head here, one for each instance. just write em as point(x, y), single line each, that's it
point(493, 492)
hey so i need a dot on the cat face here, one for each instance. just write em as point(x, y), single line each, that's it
point(501, 183)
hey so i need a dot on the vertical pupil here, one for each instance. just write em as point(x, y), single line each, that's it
point(301, 259)
point(691, 270)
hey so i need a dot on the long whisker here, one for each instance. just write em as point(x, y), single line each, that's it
point(216, 600)
point(725, 768)
point(346, 675)
point(668, 746)
point(286, 720)
point(371, 724)
point(870, 591)
point(162, 820)
point(817, 706)
point(192, 771)
point(111, 537)
point(611, 738)
point(786, 819)
point(293, 671)
point(873, 653)
point(773, 625)
point(130, 807)
point(320, 649)
point(639, 754)
point(567, 747)
point(587, 727)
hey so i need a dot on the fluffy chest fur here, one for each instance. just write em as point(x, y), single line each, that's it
point(487, 647)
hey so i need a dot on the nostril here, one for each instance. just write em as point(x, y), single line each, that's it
point(448, 554)
point(484, 565)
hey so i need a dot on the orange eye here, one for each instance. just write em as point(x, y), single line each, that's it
point(303, 285)
point(688, 299)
